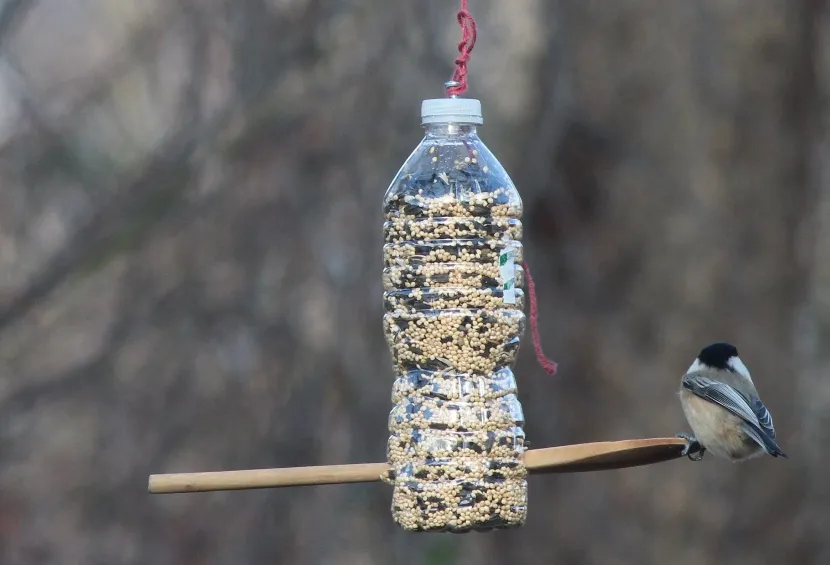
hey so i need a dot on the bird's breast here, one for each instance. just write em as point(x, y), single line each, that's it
point(718, 430)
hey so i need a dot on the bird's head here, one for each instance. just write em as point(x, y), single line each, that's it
point(721, 356)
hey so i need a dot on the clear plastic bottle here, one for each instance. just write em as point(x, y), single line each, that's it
point(454, 318)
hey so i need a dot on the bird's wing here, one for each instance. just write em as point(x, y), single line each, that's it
point(754, 414)
point(764, 417)
point(722, 394)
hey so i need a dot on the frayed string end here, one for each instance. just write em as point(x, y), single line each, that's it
point(547, 364)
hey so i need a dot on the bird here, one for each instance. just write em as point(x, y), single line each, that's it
point(722, 406)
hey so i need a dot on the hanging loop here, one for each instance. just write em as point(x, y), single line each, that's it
point(465, 47)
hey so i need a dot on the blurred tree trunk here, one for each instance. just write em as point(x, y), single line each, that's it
point(813, 335)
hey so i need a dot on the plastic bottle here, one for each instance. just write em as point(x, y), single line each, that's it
point(453, 322)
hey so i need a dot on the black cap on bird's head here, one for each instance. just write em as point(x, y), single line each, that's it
point(718, 355)
point(722, 357)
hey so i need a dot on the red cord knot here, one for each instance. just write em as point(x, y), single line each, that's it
point(465, 47)
point(547, 364)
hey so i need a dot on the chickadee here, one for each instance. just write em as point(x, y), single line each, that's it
point(723, 408)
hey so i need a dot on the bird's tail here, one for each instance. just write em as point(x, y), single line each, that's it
point(772, 448)
point(764, 440)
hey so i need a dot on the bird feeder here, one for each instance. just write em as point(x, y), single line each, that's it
point(454, 318)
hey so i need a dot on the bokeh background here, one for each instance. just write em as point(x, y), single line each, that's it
point(190, 237)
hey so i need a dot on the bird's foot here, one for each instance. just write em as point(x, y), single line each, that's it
point(693, 450)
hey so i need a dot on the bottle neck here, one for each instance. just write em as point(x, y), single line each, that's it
point(450, 129)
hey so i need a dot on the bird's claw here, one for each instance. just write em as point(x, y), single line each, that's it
point(693, 450)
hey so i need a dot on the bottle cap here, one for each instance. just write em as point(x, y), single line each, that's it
point(446, 110)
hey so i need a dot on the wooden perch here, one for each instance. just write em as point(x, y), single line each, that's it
point(564, 459)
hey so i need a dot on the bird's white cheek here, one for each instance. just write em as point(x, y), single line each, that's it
point(739, 367)
point(694, 367)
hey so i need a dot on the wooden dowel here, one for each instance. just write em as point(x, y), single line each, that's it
point(266, 478)
point(603, 455)
point(563, 459)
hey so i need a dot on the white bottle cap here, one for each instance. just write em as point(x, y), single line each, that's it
point(446, 110)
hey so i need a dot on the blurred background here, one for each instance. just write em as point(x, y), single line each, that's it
point(190, 268)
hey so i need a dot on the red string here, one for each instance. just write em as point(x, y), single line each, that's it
point(465, 46)
point(459, 76)
point(548, 365)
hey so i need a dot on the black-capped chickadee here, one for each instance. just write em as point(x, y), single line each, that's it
point(723, 409)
